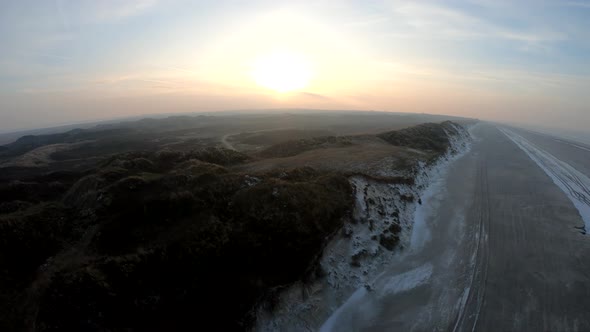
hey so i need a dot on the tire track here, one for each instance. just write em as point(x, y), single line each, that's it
point(573, 183)
point(468, 313)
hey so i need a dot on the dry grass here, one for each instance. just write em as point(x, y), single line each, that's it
point(41, 156)
point(258, 140)
point(368, 155)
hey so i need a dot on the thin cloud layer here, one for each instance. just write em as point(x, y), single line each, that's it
point(528, 60)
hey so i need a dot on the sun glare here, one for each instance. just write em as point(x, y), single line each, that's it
point(282, 72)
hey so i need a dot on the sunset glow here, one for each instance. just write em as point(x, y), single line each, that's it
point(490, 59)
point(282, 72)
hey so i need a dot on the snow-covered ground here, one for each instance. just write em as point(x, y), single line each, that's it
point(355, 258)
point(573, 183)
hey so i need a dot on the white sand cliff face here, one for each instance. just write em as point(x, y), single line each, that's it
point(388, 218)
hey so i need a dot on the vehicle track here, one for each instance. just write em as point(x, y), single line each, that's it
point(571, 181)
point(468, 314)
point(536, 280)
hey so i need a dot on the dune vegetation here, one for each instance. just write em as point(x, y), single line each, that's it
point(169, 240)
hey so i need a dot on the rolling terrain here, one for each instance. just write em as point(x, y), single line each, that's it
point(143, 225)
point(332, 228)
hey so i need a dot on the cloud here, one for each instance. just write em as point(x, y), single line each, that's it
point(432, 20)
point(314, 95)
point(114, 10)
point(79, 12)
point(578, 4)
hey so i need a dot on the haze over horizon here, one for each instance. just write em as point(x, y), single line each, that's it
point(72, 61)
point(294, 165)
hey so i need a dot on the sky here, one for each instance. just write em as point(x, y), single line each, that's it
point(67, 61)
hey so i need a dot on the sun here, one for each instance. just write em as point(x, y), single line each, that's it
point(282, 72)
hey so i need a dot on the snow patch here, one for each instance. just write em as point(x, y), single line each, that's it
point(251, 180)
point(434, 183)
point(408, 280)
point(355, 298)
